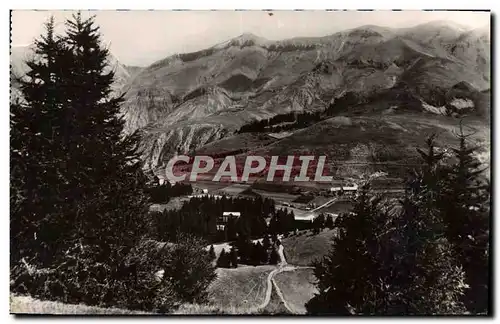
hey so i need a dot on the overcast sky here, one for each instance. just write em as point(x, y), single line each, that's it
point(142, 37)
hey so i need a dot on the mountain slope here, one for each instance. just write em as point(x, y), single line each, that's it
point(212, 92)
point(186, 101)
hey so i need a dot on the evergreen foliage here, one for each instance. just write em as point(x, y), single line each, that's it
point(233, 256)
point(211, 252)
point(78, 198)
point(224, 260)
point(200, 215)
point(329, 222)
point(274, 257)
point(466, 212)
point(412, 256)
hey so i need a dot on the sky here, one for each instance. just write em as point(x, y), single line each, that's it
point(143, 37)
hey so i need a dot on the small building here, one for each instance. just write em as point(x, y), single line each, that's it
point(224, 219)
point(205, 191)
point(344, 190)
point(305, 218)
point(350, 188)
point(226, 215)
point(335, 189)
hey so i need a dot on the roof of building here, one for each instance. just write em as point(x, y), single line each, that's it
point(309, 217)
point(346, 188)
point(231, 213)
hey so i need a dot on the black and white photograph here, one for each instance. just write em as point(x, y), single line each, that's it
point(330, 163)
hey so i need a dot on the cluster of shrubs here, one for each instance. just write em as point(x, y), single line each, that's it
point(245, 251)
point(281, 122)
point(200, 215)
point(126, 281)
point(321, 222)
point(161, 194)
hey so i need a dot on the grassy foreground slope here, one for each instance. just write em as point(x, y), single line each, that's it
point(243, 287)
point(235, 291)
point(28, 305)
point(304, 248)
point(297, 288)
point(275, 306)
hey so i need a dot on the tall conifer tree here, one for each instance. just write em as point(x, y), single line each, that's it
point(38, 177)
point(106, 168)
point(467, 216)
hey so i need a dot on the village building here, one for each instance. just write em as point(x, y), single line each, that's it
point(344, 190)
point(224, 219)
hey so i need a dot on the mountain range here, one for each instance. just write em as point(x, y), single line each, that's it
point(404, 81)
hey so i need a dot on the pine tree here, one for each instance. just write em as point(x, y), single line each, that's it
point(424, 255)
point(37, 153)
point(290, 221)
point(467, 216)
point(223, 260)
point(274, 257)
point(245, 248)
point(257, 253)
point(426, 263)
point(350, 274)
point(23, 221)
point(358, 276)
point(233, 256)
point(80, 205)
point(211, 253)
point(266, 242)
point(266, 246)
point(108, 190)
point(329, 222)
point(231, 229)
point(319, 223)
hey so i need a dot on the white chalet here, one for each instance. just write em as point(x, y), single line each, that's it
point(222, 220)
point(344, 189)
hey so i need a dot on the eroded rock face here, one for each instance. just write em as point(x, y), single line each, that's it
point(159, 145)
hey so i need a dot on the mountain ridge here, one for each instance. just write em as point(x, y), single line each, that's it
point(264, 78)
point(187, 100)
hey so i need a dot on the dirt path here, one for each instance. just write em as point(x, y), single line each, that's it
point(269, 288)
point(271, 283)
point(278, 291)
point(280, 295)
point(328, 203)
point(282, 267)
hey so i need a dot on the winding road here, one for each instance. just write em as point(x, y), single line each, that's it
point(282, 267)
point(328, 203)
